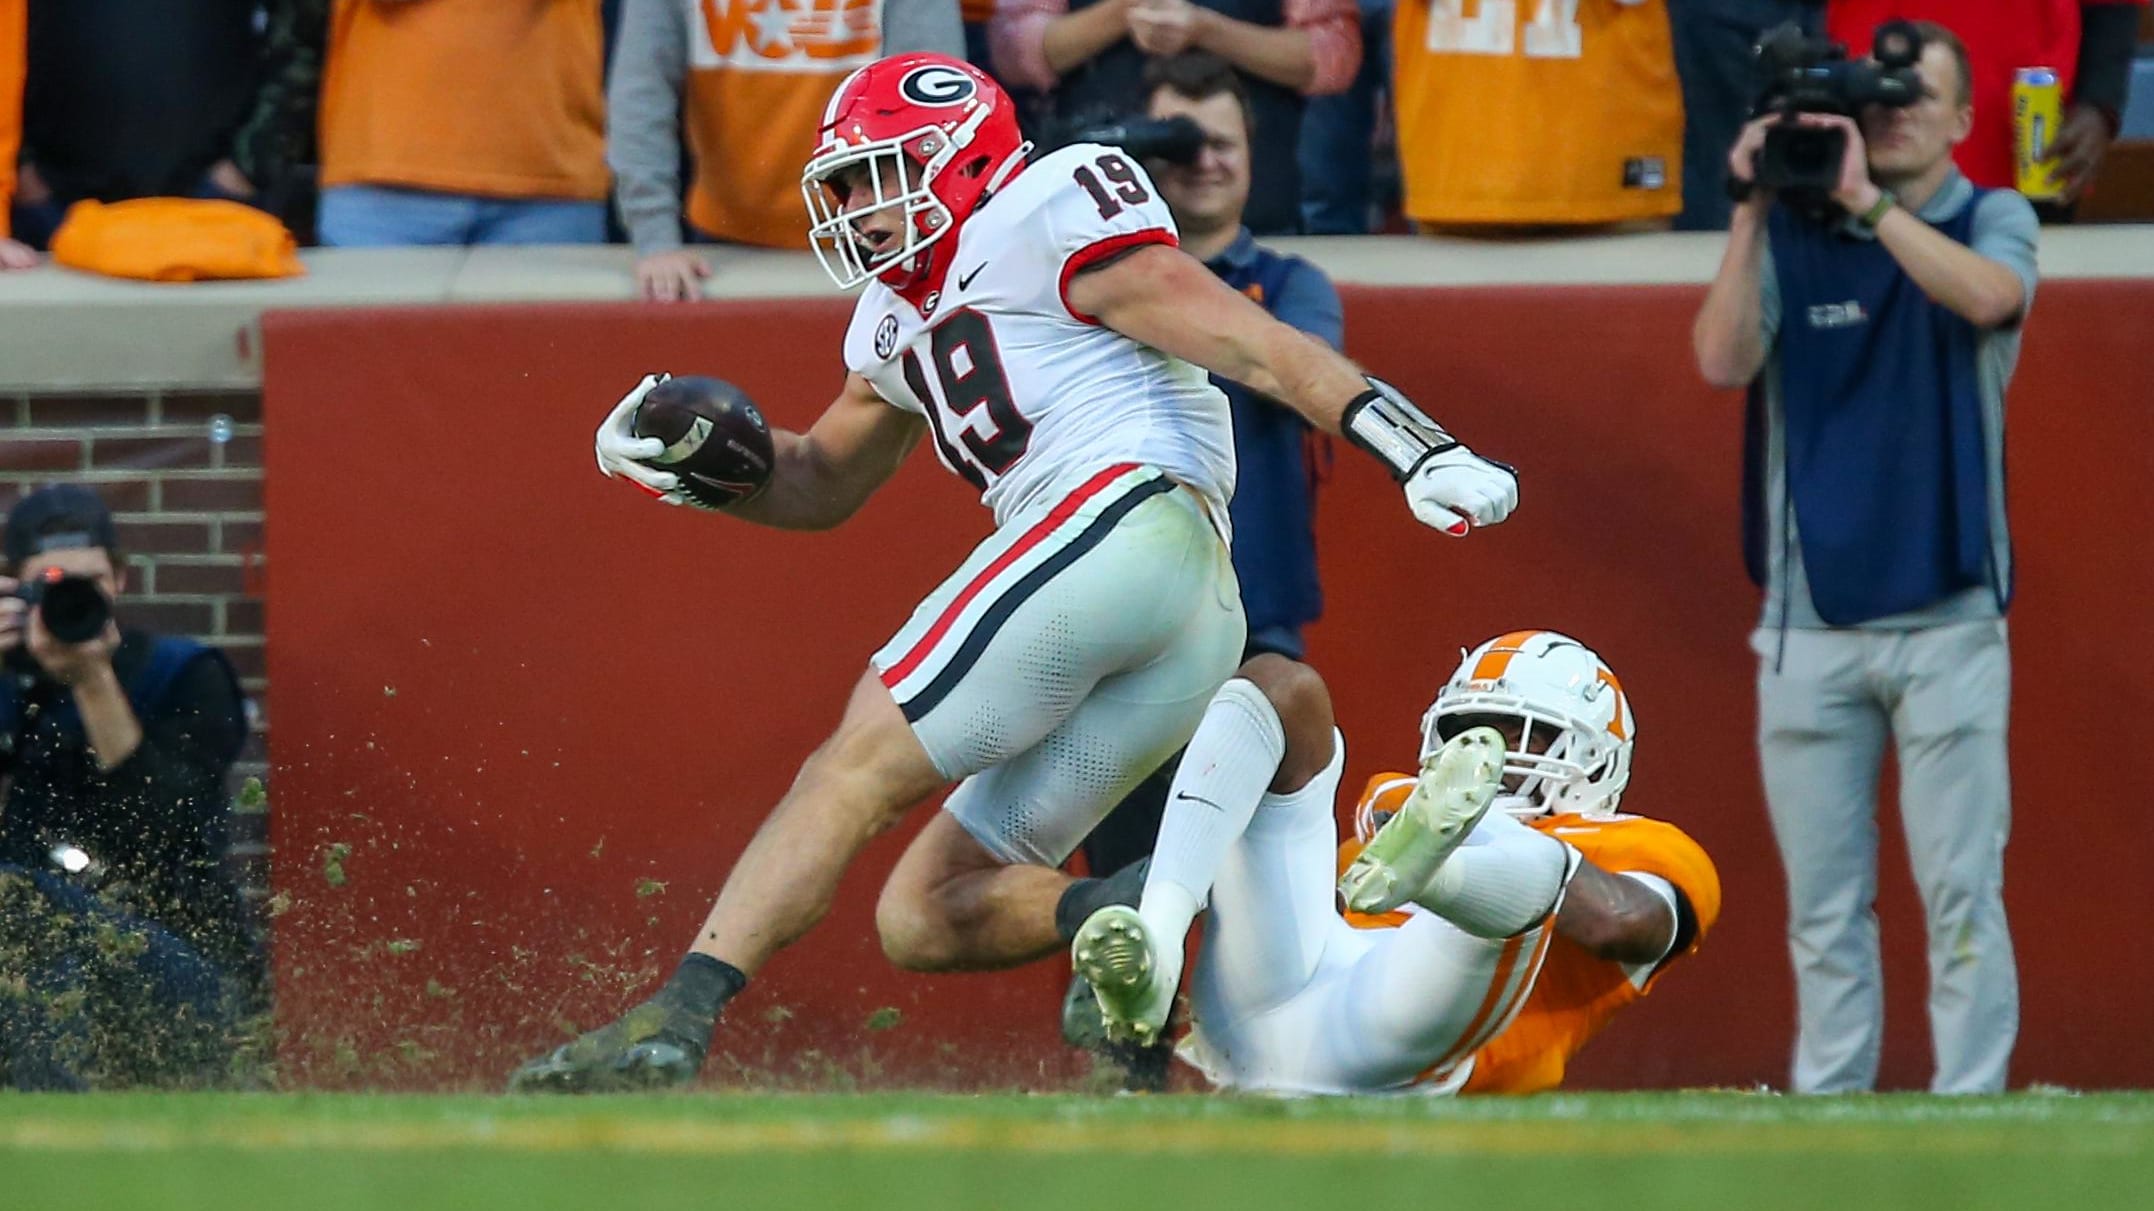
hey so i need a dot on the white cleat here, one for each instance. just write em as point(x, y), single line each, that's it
point(1116, 953)
point(1456, 786)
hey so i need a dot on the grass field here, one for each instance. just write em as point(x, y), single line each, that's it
point(895, 1152)
point(1179, 1153)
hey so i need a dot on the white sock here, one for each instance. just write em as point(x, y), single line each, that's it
point(1230, 761)
point(1505, 879)
point(1291, 811)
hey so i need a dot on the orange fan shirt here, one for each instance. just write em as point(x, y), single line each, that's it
point(760, 73)
point(499, 98)
point(1576, 992)
point(1537, 111)
point(14, 32)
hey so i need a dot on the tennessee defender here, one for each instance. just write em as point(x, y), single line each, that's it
point(1499, 909)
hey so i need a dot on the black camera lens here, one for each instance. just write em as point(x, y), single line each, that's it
point(73, 608)
point(1897, 44)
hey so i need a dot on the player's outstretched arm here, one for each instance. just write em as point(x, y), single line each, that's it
point(820, 478)
point(1163, 297)
point(1617, 918)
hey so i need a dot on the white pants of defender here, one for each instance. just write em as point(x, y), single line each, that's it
point(1289, 998)
point(1941, 695)
point(1072, 653)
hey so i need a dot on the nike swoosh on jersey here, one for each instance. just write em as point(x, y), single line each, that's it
point(1199, 799)
point(966, 281)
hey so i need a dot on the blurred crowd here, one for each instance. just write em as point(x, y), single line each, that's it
point(670, 123)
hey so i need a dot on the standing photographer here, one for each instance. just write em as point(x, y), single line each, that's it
point(1876, 327)
point(128, 950)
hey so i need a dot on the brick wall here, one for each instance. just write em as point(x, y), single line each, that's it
point(183, 475)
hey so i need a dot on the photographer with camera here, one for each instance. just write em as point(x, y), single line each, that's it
point(1875, 319)
point(129, 952)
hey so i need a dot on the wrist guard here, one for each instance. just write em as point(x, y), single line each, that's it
point(1385, 423)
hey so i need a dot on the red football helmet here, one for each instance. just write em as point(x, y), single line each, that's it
point(936, 136)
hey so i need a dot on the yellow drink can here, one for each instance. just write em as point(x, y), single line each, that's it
point(2037, 115)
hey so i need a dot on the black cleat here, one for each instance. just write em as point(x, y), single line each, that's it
point(653, 1046)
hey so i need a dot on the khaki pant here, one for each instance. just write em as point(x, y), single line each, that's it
point(1942, 695)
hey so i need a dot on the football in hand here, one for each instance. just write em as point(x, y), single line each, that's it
point(716, 438)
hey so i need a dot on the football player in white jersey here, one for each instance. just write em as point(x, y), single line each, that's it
point(1036, 319)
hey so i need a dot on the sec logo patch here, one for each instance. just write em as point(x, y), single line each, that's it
point(886, 337)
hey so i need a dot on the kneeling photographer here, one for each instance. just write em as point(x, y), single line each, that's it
point(1871, 299)
point(127, 954)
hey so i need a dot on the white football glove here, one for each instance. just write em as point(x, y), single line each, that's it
point(620, 452)
point(1448, 486)
point(1456, 489)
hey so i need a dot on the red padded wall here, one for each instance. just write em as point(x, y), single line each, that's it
point(524, 719)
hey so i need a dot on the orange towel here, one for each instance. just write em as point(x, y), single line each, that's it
point(175, 240)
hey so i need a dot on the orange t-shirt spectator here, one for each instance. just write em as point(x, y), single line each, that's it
point(1533, 114)
point(14, 29)
point(464, 122)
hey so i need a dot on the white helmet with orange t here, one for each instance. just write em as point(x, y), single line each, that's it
point(1573, 751)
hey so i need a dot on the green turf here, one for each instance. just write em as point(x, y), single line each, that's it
point(898, 1152)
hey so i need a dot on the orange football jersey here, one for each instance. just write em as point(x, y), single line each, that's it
point(1537, 111)
point(760, 73)
point(14, 17)
point(1576, 993)
point(488, 97)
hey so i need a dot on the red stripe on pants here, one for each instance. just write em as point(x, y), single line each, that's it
point(1032, 538)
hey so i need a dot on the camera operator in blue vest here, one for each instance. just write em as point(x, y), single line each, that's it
point(129, 954)
point(1874, 314)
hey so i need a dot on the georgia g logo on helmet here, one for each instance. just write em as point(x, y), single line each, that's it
point(937, 85)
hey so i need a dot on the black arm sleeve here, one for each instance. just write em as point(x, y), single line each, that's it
point(1686, 925)
point(2107, 35)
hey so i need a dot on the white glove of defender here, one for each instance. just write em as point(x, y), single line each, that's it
point(619, 449)
point(1457, 490)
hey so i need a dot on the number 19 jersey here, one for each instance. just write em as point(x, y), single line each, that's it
point(1026, 397)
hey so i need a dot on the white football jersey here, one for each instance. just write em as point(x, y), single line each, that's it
point(1026, 399)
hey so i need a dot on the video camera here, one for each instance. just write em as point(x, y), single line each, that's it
point(1805, 75)
point(73, 608)
point(1175, 140)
